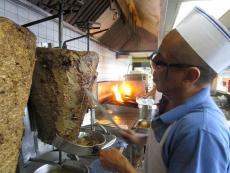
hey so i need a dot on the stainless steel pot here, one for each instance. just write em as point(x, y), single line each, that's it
point(68, 166)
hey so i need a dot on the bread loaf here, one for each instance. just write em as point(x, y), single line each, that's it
point(57, 99)
point(17, 58)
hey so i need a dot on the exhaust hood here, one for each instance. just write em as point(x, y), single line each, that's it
point(134, 24)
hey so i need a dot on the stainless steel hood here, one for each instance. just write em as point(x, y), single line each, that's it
point(134, 24)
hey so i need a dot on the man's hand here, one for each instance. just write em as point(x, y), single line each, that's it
point(134, 138)
point(113, 160)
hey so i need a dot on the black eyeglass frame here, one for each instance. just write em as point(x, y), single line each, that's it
point(164, 64)
point(167, 65)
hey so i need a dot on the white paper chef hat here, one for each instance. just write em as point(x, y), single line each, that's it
point(208, 38)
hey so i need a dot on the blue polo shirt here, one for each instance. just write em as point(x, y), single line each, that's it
point(199, 141)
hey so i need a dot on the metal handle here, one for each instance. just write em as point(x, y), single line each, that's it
point(103, 128)
point(45, 161)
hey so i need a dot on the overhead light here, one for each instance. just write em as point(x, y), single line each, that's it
point(140, 54)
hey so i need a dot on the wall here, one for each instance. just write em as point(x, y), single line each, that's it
point(114, 68)
point(225, 19)
point(109, 67)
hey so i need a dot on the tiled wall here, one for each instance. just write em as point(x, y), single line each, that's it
point(109, 67)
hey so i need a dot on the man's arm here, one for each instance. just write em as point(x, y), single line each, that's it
point(113, 160)
point(134, 138)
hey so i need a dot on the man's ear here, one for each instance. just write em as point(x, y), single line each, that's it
point(192, 75)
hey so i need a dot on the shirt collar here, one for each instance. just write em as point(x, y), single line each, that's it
point(181, 110)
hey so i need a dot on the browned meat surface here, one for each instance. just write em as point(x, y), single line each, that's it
point(57, 98)
point(17, 58)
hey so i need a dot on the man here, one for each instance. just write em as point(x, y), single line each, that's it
point(190, 135)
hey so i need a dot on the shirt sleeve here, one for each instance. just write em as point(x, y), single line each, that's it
point(200, 152)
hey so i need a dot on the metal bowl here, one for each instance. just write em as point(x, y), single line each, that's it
point(78, 149)
point(93, 135)
point(87, 150)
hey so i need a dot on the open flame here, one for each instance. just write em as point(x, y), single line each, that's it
point(122, 92)
point(125, 89)
point(117, 93)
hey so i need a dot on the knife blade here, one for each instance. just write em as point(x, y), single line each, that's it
point(102, 109)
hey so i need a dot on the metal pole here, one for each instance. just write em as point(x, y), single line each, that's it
point(88, 34)
point(93, 33)
point(92, 116)
point(60, 22)
point(40, 21)
point(60, 37)
point(59, 157)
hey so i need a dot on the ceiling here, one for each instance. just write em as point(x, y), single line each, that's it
point(79, 11)
point(137, 28)
point(133, 24)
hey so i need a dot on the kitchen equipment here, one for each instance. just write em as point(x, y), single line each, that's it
point(50, 160)
point(147, 111)
point(147, 108)
point(68, 166)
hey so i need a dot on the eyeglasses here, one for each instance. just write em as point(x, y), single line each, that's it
point(158, 64)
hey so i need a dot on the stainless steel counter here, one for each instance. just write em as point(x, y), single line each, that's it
point(122, 115)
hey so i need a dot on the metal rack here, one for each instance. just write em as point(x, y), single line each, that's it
point(84, 25)
point(64, 46)
point(60, 21)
